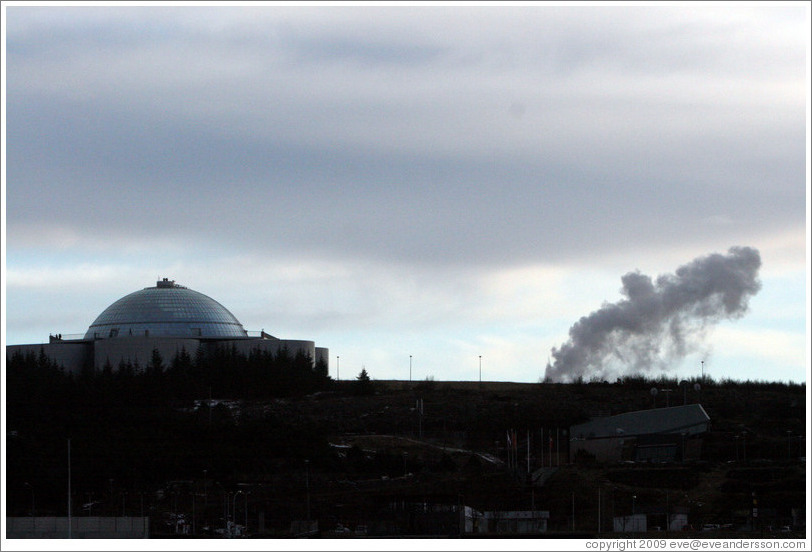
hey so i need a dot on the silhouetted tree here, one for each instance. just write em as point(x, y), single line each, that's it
point(363, 385)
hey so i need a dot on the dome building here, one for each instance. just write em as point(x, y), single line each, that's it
point(166, 310)
point(167, 318)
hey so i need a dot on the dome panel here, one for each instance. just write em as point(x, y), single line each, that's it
point(166, 310)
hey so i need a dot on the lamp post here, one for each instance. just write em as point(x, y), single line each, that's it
point(32, 504)
point(338, 368)
point(225, 506)
point(194, 511)
point(70, 520)
point(480, 370)
point(205, 499)
point(229, 523)
point(245, 526)
point(307, 488)
point(410, 368)
point(110, 502)
point(234, 505)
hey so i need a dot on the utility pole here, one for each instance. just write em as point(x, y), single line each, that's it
point(599, 510)
point(70, 521)
point(307, 484)
point(33, 522)
point(419, 408)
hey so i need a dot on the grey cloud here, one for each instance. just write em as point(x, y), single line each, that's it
point(123, 173)
point(411, 152)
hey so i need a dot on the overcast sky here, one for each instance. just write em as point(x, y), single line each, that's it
point(437, 181)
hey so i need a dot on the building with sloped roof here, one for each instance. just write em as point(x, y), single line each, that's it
point(167, 318)
point(656, 435)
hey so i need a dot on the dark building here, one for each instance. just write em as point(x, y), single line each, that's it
point(657, 435)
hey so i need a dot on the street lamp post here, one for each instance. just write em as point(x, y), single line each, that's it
point(338, 368)
point(225, 506)
point(32, 504)
point(307, 487)
point(245, 526)
point(70, 520)
point(234, 506)
point(480, 370)
point(228, 514)
point(194, 511)
point(110, 502)
point(410, 368)
point(205, 499)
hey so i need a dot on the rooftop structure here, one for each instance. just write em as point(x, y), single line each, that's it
point(690, 419)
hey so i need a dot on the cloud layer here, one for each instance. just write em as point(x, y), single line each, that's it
point(338, 169)
point(478, 144)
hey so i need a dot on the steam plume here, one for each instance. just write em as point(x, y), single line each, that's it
point(658, 322)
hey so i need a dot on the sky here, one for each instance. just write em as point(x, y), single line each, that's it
point(429, 190)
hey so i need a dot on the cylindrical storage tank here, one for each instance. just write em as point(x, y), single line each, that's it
point(294, 347)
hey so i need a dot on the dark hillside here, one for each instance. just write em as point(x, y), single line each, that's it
point(355, 455)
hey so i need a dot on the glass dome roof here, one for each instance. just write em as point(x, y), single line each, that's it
point(166, 310)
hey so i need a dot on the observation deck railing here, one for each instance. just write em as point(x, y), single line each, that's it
point(66, 337)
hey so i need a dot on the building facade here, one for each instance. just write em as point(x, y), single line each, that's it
point(167, 318)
